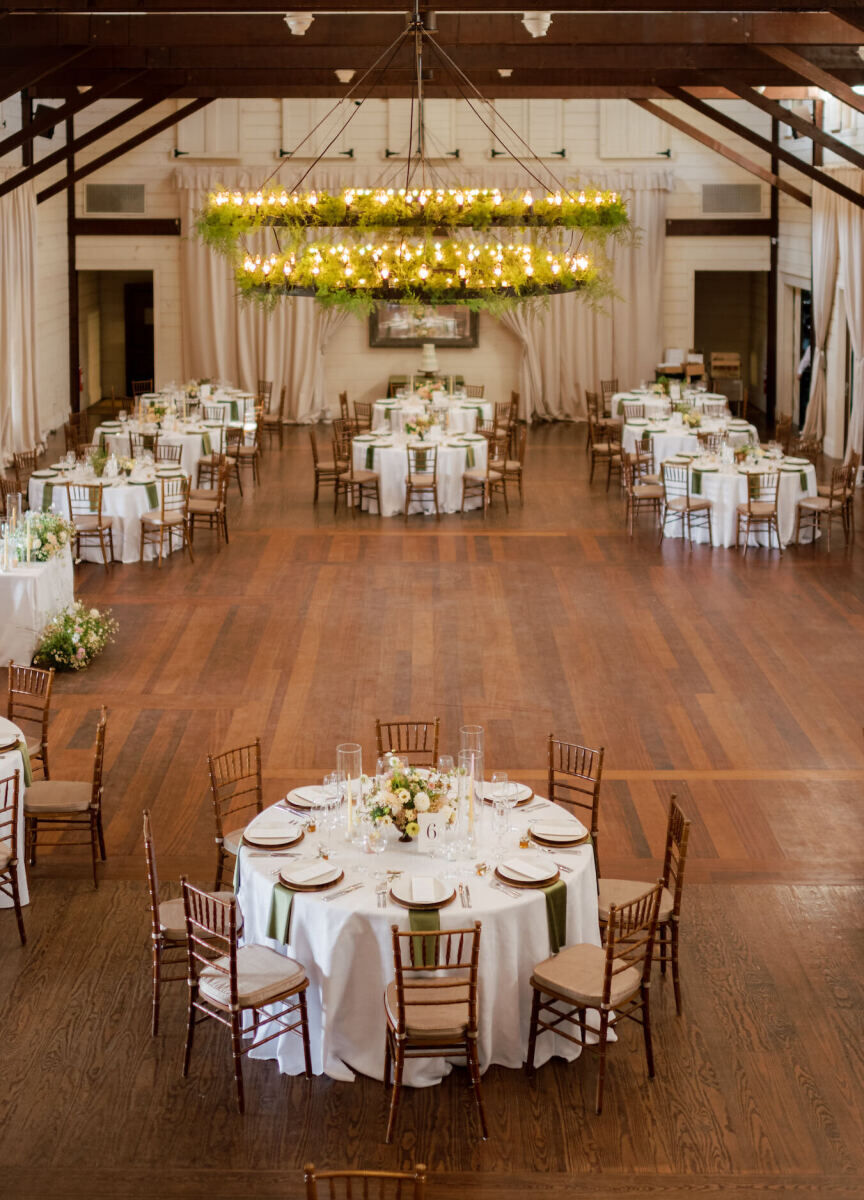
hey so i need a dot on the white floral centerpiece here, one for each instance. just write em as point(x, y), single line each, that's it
point(404, 792)
point(49, 534)
point(420, 425)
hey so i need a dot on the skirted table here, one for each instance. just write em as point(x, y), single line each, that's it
point(388, 456)
point(30, 595)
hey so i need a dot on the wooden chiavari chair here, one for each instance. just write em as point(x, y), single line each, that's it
point(574, 771)
point(759, 510)
point(642, 459)
point(475, 391)
point(264, 392)
point(625, 891)
point(832, 507)
point(29, 702)
point(8, 487)
point(422, 477)
point(172, 516)
point(84, 501)
point(633, 409)
point(513, 467)
point(640, 495)
point(235, 775)
point(714, 408)
point(272, 422)
point(681, 505)
point(483, 481)
point(365, 1185)
point(592, 413)
point(783, 432)
point(165, 453)
point(86, 450)
point(615, 980)
point(65, 806)
point(141, 387)
point(249, 453)
point(211, 508)
point(809, 448)
point(139, 443)
point(605, 447)
point(824, 489)
point(326, 470)
point(608, 388)
point(712, 443)
point(415, 742)
point(431, 1006)
point(344, 411)
point(356, 484)
point(24, 464)
point(9, 802)
point(217, 413)
point(238, 980)
point(363, 415)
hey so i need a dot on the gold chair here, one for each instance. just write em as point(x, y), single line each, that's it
point(210, 505)
point(812, 509)
point(642, 459)
point(614, 980)
point(356, 1185)
point(249, 453)
point(633, 409)
point(513, 468)
point(217, 413)
point(711, 443)
point(242, 979)
point(759, 510)
point(9, 802)
point(475, 391)
point(141, 386)
point(326, 469)
point(422, 477)
point(344, 411)
point(783, 432)
point(165, 453)
point(24, 464)
point(605, 446)
point(608, 388)
point(824, 489)
point(592, 412)
point(625, 891)
point(139, 443)
point(416, 742)
point(84, 501)
point(640, 495)
point(63, 806)
point(172, 516)
point(681, 504)
point(431, 1006)
point(29, 702)
point(272, 422)
point(363, 414)
point(234, 775)
point(364, 481)
point(574, 771)
point(714, 408)
point(264, 391)
point(483, 481)
point(806, 447)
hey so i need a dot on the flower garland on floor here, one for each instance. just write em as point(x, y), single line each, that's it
point(74, 637)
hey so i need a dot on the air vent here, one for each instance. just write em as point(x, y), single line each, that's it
point(731, 198)
point(115, 198)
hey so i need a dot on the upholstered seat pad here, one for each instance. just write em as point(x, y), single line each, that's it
point(212, 459)
point(682, 503)
point(424, 479)
point(232, 841)
point(34, 749)
point(478, 474)
point(262, 976)
point(820, 504)
point(57, 795)
point(758, 508)
point(622, 891)
point(577, 973)
point(248, 451)
point(203, 506)
point(605, 448)
point(650, 478)
point(203, 494)
point(360, 476)
point(154, 517)
point(434, 1021)
point(5, 855)
point(326, 464)
point(648, 491)
point(91, 521)
point(824, 489)
point(172, 919)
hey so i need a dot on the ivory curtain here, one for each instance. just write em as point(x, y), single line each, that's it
point(825, 265)
point(850, 247)
point(19, 415)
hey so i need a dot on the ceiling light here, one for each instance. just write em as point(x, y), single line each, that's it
point(298, 22)
point(537, 23)
point(505, 72)
point(344, 75)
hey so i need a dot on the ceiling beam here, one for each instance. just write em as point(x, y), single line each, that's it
point(29, 76)
point(806, 70)
point(394, 6)
point(767, 146)
point(854, 17)
point(58, 115)
point(719, 147)
point(130, 144)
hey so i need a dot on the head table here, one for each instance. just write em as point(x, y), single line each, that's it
point(345, 944)
point(387, 454)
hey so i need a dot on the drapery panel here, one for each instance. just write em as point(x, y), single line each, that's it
point(825, 265)
point(850, 253)
point(19, 412)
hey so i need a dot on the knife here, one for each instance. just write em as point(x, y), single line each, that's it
point(343, 892)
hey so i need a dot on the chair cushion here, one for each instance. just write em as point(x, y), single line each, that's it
point(424, 479)
point(248, 451)
point(233, 840)
point(622, 891)
point(577, 973)
point(172, 920)
point(154, 517)
point(759, 508)
point(326, 464)
point(5, 855)
point(682, 503)
point(359, 476)
point(648, 491)
point(649, 478)
point(478, 474)
point(820, 504)
point(203, 506)
point(430, 1021)
point(57, 795)
point(203, 494)
point(262, 976)
point(88, 521)
point(34, 749)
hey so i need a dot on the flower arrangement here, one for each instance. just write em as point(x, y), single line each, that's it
point(156, 413)
point(420, 425)
point(126, 465)
point(405, 793)
point(73, 638)
point(49, 534)
point(97, 461)
point(692, 418)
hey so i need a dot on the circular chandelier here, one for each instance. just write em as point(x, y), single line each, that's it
point(412, 244)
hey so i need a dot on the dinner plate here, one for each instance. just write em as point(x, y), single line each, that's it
point(523, 791)
point(797, 462)
point(402, 892)
point(474, 437)
point(272, 843)
point(704, 470)
point(213, 424)
point(366, 437)
point(307, 797)
point(637, 422)
point(327, 876)
point(543, 872)
point(558, 831)
point(167, 471)
point(45, 473)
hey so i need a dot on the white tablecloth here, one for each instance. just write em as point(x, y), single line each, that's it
point(656, 406)
point(461, 417)
point(29, 597)
point(192, 440)
point(346, 948)
point(672, 437)
point(13, 764)
point(125, 502)
point(391, 463)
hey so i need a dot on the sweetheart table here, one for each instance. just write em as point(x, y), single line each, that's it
point(345, 945)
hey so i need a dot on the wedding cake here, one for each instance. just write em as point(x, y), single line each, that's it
point(429, 360)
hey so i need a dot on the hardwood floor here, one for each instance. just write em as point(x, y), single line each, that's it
point(738, 684)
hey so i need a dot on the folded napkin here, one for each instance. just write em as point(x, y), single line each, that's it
point(556, 914)
point(423, 889)
point(47, 497)
point(310, 872)
point(279, 918)
point(557, 828)
point(152, 493)
point(527, 869)
point(283, 825)
point(313, 796)
point(424, 950)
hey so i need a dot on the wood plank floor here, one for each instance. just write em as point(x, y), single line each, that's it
point(738, 684)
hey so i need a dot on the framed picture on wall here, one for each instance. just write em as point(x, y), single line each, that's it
point(451, 325)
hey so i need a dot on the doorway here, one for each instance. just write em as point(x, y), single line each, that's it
point(116, 342)
point(731, 313)
point(804, 332)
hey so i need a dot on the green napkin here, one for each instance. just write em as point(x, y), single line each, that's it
point(279, 921)
point(421, 460)
point(469, 457)
point(235, 411)
point(646, 437)
point(424, 920)
point(47, 497)
point(620, 408)
point(370, 457)
point(102, 442)
point(152, 494)
point(803, 481)
point(206, 444)
point(28, 770)
point(556, 914)
point(477, 408)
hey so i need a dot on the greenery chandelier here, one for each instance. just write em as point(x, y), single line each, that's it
point(412, 244)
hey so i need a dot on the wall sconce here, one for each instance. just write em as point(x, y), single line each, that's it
point(298, 22)
point(344, 75)
point(537, 23)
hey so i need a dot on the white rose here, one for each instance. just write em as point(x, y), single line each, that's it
point(385, 820)
point(94, 612)
point(395, 804)
point(422, 803)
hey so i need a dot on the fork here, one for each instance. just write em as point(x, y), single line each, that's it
point(511, 892)
point(381, 893)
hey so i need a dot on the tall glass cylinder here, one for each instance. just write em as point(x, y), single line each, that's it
point(14, 507)
point(349, 768)
point(470, 777)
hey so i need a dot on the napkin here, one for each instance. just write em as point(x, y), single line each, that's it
point(313, 796)
point(527, 869)
point(273, 826)
point(553, 828)
point(423, 889)
point(309, 872)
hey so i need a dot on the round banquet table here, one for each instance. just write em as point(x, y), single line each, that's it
point(673, 437)
point(726, 487)
point(125, 501)
point(346, 948)
point(656, 406)
point(387, 455)
point(12, 763)
point(31, 594)
point(462, 415)
point(194, 438)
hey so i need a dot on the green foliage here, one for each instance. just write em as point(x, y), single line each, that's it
point(74, 637)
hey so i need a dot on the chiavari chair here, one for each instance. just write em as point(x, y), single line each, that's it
point(501, 412)
point(824, 489)
point(475, 391)
point(415, 742)
point(431, 1006)
point(625, 891)
point(8, 487)
point(86, 450)
point(139, 443)
point(344, 411)
point(29, 702)
point(783, 432)
point(483, 481)
point(633, 409)
point(832, 507)
point(574, 772)
point(249, 453)
point(513, 466)
point(356, 484)
point(806, 447)
point(71, 438)
point(272, 422)
point(759, 510)
point(264, 392)
point(711, 443)
point(363, 415)
point(422, 477)
point(84, 501)
point(642, 459)
point(235, 787)
point(65, 806)
point(24, 464)
point(227, 981)
point(639, 495)
point(165, 453)
point(605, 446)
point(365, 1185)
point(714, 408)
point(210, 505)
point(9, 802)
point(614, 979)
point(326, 469)
point(207, 471)
point(592, 412)
point(216, 413)
point(608, 388)
point(141, 387)
point(172, 516)
point(681, 504)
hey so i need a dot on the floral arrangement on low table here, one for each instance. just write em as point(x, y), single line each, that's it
point(74, 637)
point(156, 413)
point(49, 535)
point(420, 425)
point(692, 418)
point(660, 386)
point(404, 792)
point(97, 461)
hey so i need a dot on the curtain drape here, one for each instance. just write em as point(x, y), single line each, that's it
point(825, 265)
point(19, 412)
point(850, 247)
